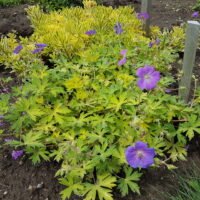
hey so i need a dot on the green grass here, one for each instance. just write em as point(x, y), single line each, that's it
point(46, 4)
point(197, 6)
point(189, 185)
point(10, 2)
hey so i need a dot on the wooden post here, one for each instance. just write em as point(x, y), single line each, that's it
point(146, 8)
point(191, 44)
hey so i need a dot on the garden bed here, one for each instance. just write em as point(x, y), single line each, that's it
point(20, 180)
point(164, 14)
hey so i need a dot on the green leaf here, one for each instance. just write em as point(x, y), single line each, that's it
point(191, 127)
point(102, 188)
point(72, 187)
point(34, 112)
point(4, 103)
point(171, 167)
point(129, 182)
point(37, 154)
point(33, 139)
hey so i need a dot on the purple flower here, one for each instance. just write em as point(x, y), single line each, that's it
point(18, 49)
point(38, 50)
point(90, 32)
point(187, 147)
point(195, 14)
point(118, 28)
point(143, 16)
point(168, 91)
point(40, 45)
point(123, 52)
point(140, 156)
point(151, 44)
point(148, 77)
point(5, 90)
point(122, 61)
point(156, 42)
point(17, 154)
point(1, 116)
point(8, 140)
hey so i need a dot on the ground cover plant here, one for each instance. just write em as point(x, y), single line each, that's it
point(93, 96)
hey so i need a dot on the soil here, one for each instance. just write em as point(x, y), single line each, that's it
point(20, 180)
point(15, 19)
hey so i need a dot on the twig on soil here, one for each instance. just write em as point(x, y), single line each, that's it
point(180, 120)
point(4, 185)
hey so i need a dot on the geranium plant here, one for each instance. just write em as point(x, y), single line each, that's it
point(100, 108)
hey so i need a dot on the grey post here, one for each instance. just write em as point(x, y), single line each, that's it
point(191, 44)
point(146, 8)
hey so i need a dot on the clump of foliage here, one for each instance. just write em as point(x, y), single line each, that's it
point(84, 109)
point(64, 32)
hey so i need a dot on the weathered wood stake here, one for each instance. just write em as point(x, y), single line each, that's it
point(146, 8)
point(191, 44)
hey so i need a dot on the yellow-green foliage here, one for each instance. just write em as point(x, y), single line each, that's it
point(83, 109)
point(22, 62)
point(64, 33)
point(177, 38)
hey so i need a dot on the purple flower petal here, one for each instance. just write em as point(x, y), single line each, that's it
point(146, 84)
point(122, 61)
point(17, 154)
point(5, 90)
point(151, 44)
point(142, 71)
point(140, 156)
point(168, 91)
point(155, 76)
point(157, 41)
point(38, 50)
point(148, 77)
point(8, 140)
point(118, 28)
point(18, 49)
point(143, 16)
point(40, 45)
point(123, 52)
point(195, 14)
point(140, 144)
point(90, 32)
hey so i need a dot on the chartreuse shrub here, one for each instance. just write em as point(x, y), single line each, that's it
point(102, 91)
point(64, 33)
